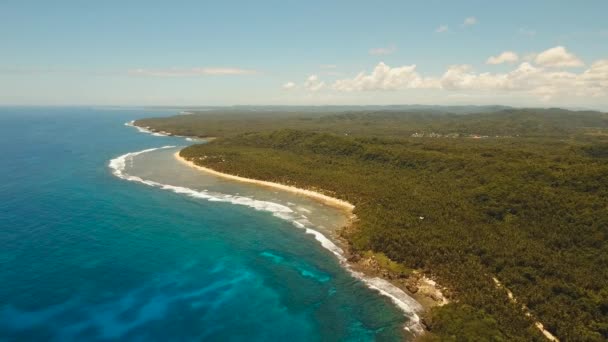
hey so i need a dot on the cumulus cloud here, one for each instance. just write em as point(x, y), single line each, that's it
point(184, 72)
point(470, 21)
point(542, 82)
point(505, 57)
point(463, 77)
point(289, 86)
point(313, 83)
point(538, 81)
point(442, 29)
point(596, 78)
point(530, 57)
point(558, 57)
point(383, 50)
point(384, 77)
point(535, 77)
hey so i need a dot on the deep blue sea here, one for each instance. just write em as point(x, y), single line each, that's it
point(87, 256)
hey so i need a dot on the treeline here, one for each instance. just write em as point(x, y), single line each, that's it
point(385, 123)
point(531, 211)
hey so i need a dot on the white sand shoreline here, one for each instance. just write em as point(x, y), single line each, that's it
point(332, 201)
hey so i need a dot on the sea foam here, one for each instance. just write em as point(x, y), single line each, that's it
point(146, 129)
point(119, 164)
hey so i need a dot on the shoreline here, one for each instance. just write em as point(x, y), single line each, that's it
point(422, 293)
point(331, 201)
point(156, 133)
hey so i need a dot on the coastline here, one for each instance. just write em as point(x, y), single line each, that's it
point(418, 293)
point(331, 201)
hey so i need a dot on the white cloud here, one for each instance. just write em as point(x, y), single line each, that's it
point(313, 83)
point(442, 29)
point(470, 21)
point(534, 79)
point(181, 72)
point(289, 86)
point(596, 78)
point(383, 50)
point(463, 77)
point(526, 79)
point(505, 57)
point(558, 57)
point(384, 78)
point(530, 57)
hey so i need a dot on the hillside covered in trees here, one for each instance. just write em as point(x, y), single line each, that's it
point(520, 195)
point(383, 122)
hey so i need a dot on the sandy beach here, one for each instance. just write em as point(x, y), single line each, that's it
point(334, 202)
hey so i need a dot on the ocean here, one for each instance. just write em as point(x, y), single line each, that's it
point(98, 244)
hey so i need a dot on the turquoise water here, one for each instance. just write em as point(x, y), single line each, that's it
point(85, 255)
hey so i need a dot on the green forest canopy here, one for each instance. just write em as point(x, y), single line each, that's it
point(527, 203)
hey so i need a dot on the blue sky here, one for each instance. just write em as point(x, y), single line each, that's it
point(304, 52)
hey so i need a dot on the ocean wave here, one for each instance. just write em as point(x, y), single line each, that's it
point(327, 243)
point(146, 130)
point(403, 301)
point(407, 304)
point(119, 164)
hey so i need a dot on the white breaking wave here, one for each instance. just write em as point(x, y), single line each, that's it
point(403, 301)
point(119, 164)
point(407, 304)
point(327, 243)
point(146, 130)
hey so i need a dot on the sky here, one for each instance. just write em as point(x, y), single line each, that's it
point(188, 53)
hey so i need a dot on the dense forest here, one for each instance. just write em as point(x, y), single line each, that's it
point(384, 123)
point(516, 194)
